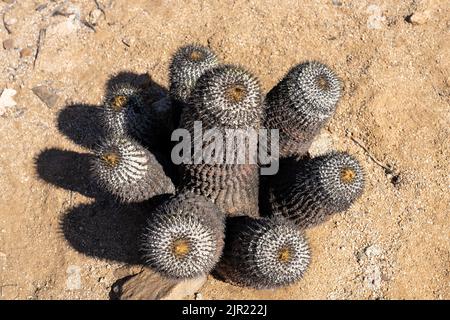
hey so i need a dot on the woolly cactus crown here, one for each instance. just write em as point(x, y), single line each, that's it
point(187, 65)
point(265, 253)
point(320, 187)
point(128, 171)
point(184, 237)
point(227, 96)
point(120, 159)
point(126, 113)
point(311, 89)
point(338, 175)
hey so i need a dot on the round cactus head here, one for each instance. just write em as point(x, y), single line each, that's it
point(319, 188)
point(301, 104)
point(126, 113)
point(264, 253)
point(184, 237)
point(188, 64)
point(120, 160)
point(228, 96)
point(125, 96)
point(340, 177)
point(315, 84)
point(128, 171)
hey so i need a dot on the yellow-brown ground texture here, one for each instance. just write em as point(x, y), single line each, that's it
point(393, 58)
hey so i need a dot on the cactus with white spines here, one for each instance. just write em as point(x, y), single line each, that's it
point(184, 237)
point(188, 64)
point(226, 97)
point(314, 189)
point(301, 104)
point(125, 112)
point(128, 171)
point(264, 253)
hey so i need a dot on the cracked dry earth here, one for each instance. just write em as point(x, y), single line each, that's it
point(58, 240)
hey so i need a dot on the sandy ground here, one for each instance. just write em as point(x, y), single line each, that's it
point(60, 240)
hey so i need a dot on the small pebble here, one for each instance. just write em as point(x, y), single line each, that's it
point(419, 18)
point(6, 100)
point(47, 95)
point(128, 41)
point(26, 52)
point(10, 21)
point(373, 251)
point(198, 296)
point(95, 16)
point(8, 44)
point(9, 1)
point(67, 9)
point(41, 7)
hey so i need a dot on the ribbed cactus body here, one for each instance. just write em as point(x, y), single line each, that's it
point(128, 171)
point(233, 188)
point(301, 104)
point(312, 190)
point(263, 253)
point(226, 97)
point(125, 112)
point(187, 65)
point(184, 237)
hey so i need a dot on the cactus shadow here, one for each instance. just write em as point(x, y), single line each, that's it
point(221, 271)
point(153, 90)
point(68, 170)
point(81, 123)
point(106, 230)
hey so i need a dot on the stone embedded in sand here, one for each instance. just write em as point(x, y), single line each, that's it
point(149, 285)
point(373, 251)
point(6, 100)
point(26, 52)
point(322, 144)
point(94, 16)
point(47, 95)
point(419, 18)
point(8, 44)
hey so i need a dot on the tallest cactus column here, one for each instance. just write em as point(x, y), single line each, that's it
point(226, 97)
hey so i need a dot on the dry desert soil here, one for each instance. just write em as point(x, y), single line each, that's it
point(59, 240)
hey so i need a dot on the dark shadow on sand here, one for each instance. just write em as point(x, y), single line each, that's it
point(68, 170)
point(108, 230)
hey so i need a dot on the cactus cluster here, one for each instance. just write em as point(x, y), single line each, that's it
point(185, 237)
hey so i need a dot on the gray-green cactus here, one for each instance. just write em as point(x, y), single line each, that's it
point(184, 237)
